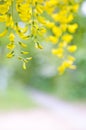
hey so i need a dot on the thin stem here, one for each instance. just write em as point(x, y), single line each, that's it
point(12, 9)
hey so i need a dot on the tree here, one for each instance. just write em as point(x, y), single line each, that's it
point(36, 21)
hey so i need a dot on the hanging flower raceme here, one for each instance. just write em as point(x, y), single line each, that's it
point(50, 19)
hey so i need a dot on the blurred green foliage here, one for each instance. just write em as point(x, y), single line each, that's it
point(15, 98)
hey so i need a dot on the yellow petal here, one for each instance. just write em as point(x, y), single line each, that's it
point(72, 48)
point(12, 37)
point(24, 65)
point(24, 52)
point(22, 44)
point(10, 55)
point(37, 45)
point(11, 46)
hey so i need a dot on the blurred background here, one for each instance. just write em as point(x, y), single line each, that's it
point(39, 92)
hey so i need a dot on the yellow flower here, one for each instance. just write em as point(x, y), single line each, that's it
point(3, 18)
point(62, 44)
point(11, 46)
point(22, 44)
point(61, 69)
point(53, 39)
point(72, 28)
point(10, 22)
point(4, 33)
point(67, 63)
point(38, 46)
point(67, 38)
point(51, 3)
point(22, 29)
point(12, 37)
point(24, 52)
point(29, 58)
point(72, 48)
point(63, 27)
point(49, 24)
point(42, 20)
point(75, 7)
point(73, 67)
point(69, 18)
point(71, 58)
point(41, 31)
point(23, 36)
point(39, 9)
point(57, 31)
point(10, 55)
point(4, 7)
point(58, 52)
point(24, 65)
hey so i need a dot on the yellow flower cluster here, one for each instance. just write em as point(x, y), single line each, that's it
point(40, 18)
point(62, 27)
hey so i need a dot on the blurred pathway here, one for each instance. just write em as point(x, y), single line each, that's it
point(39, 119)
point(70, 114)
point(52, 114)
